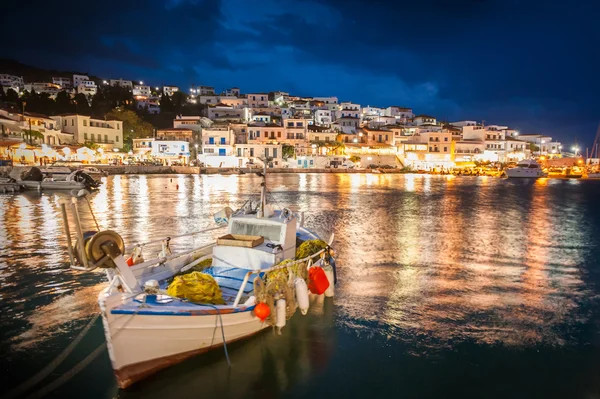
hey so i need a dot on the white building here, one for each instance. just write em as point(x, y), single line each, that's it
point(401, 113)
point(348, 109)
point(424, 120)
point(323, 117)
point(233, 92)
point(64, 83)
point(348, 124)
point(80, 79)
point(258, 100)
point(107, 134)
point(50, 88)
point(169, 90)
point(141, 91)
point(261, 117)
point(11, 82)
point(151, 106)
point(327, 100)
point(122, 83)
point(205, 90)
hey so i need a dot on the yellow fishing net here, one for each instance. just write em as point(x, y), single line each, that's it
point(196, 287)
point(309, 247)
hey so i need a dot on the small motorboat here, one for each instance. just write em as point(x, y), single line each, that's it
point(251, 278)
point(528, 168)
point(33, 179)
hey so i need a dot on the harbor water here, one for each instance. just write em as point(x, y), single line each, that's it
point(449, 287)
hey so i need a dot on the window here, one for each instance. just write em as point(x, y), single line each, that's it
point(445, 149)
point(326, 138)
point(72, 122)
point(274, 152)
point(93, 138)
point(239, 152)
point(430, 149)
point(316, 138)
point(84, 122)
point(266, 134)
point(386, 137)
point(117, 139)
point(106, 138)
point(117, 126)
point(445, 138)
point(278, 134)
point(222, 140)
point(266, 152)
point(299, 124)
point(251, 152)
point(85, 136)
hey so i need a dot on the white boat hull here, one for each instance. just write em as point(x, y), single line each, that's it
point(141, 344)
point(593, 175)
point(51, 185)
point(533, 173)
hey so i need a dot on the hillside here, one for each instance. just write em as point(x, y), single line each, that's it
point(34, 74)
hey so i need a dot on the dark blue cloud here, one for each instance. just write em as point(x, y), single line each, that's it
point(529, 64)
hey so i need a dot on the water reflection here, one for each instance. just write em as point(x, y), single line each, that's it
point(426, 262)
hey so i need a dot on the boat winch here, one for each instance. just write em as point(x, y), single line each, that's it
point(100, 248)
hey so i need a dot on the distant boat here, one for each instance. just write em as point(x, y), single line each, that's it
point(527, 168)
point(33, 179)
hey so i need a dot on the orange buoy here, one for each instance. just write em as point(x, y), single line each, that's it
point(262, 311)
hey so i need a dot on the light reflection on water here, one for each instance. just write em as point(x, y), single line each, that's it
point(427, 262)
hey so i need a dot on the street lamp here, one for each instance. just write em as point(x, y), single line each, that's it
point(141, 82)
point(575, 150)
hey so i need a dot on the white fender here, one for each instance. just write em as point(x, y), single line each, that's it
point(280, 314)
point(329, 292)
point(301, 295)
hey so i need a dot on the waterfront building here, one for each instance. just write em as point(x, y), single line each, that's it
point(63, 82)
point(11, 82)
point(123, 83)
point(18, 124)
point(257, 100)
point(541, 144)
point(107, 134)
point(169, 90)
point(516, 149)
point(254, 153)
point(296, 130)
point(428, 150)
point(167, 152)
point(380, 121)
point(266, 133)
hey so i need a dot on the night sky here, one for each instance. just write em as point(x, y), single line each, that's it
point(531, 65)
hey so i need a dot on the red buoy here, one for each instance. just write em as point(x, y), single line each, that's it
point(262, 311)
point(318, 282)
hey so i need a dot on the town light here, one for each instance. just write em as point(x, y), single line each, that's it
point(355, 140)
point(196, 145)
point(575, 149)
point(105, 82)
point(369, 158)
point(314, 146)
point(157, 88)
point(141, 82)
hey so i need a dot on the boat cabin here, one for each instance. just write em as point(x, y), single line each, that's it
point(254, 241)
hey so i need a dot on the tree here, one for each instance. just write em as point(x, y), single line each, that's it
point(355, 158)
point(82, 107)
point(166, 105)
point(133, 125)
point(178, 99)
point(63, 103)
point(12, 96)
point(32, 134)
point(287, 151)
point(2, 94)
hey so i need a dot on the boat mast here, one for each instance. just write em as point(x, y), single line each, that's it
point(263, 192)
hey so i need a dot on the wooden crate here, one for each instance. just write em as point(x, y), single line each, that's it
point(238, 240)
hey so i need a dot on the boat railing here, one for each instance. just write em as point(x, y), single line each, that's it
point(160, 240)
point(308, 259)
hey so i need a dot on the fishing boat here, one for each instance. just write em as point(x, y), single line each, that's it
point(34, 179)
point(253, 268)
point(527, 168)
point(61, 172)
